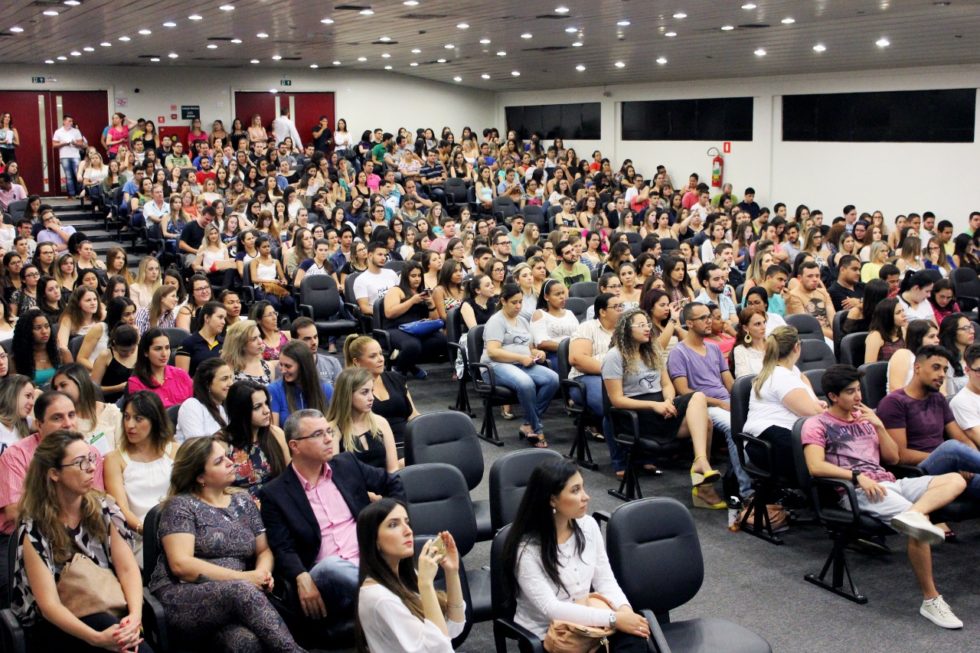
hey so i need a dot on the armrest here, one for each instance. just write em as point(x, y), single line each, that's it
point(480, 382)
point(750, 444)
point(566, 386)
point(601, 516)
point(632, 419)
point(155, 622)
point(306, 310)
point(11, 633)
point(904, 471)
point(382, 337)
point(967, 303)
point(527, 642)
point(849, 495)
point(656, 632)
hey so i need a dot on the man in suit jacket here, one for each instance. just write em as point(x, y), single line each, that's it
point(310, 514)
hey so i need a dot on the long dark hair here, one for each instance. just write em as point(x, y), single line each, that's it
point(238, 432)
point(404, 284)
point(883, 319)
point(23, 343)
point(947, 339)
point(535, 522)
point(875, 292)
point(114, 311)
point(142, 369)
point(149, 405)
point(203, 378)
point(255, 314)
point(307, 386)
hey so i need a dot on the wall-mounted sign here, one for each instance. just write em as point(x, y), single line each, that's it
point(190, 111)
point(727, 147)
point(37, 80)
point(161, 119)
point(285, 82)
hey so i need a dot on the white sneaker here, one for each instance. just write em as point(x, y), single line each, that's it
point(938, 612)
point(918, 527)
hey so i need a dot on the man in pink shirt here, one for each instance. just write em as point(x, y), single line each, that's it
point(310, 514)
point(448, 233)
point(53, 411)
point(9, 191)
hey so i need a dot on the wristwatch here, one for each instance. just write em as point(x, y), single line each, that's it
point(854, 476)
point(612, 619)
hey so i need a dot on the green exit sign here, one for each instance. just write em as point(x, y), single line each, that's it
point(282, 82)
point(37, 80)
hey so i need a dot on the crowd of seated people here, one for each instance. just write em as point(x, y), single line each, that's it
point(236, 226)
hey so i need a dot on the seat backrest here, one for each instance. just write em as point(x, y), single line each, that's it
point(535, 214)
point(320, 291)
point(579, 306)
point(151, 541)
point(175, 336)
point(474, 344)
point(172, 414)
point(438, 500)
point(807, 325)
point(815, 377)
point(740, 401)
point(509, 476)
point(656, 535)
point(445, 437)
point(564, 367)
point(874, 383)
point(586, 289)
point(501, 592)
point(815, 355)
point(75, 345)
point(397, 266)
point(454, 323)
point(803, 477)
point(838, 328)
point(667, 244)
point(852, 348)
point(349, 287)
point(378, 318)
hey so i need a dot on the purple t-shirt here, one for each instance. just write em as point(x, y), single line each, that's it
point(851, 445)
point(703, 373)
point(924, 420)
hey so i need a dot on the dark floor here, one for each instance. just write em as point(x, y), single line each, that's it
point(760, 585)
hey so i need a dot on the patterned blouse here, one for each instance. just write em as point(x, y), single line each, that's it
point(252, 468)
point(264, 379)
point(272, 353)
point(22, 599)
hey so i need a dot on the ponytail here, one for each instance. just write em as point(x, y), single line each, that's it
point(779, 344)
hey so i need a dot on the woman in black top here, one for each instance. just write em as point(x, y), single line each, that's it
point(356, 427)
point(480, 302)
point(205, 343)
point(113, 367)
point(392, 399)
point(406, 303)
point(859, 319)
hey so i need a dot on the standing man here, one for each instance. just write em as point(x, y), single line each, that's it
point(284, 128)
point(322, 136)
point(68, 140)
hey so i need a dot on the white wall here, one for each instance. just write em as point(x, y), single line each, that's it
point(366, 100)
point(893, 177)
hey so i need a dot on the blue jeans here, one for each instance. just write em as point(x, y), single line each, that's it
point(954, 456)
point(336, 579)
point(534, 385)
point(70, 168)
point(722, 420)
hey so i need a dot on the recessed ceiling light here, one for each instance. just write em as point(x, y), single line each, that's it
point(527, 35)
point(72, 3)
point(49, 61)
point(170, 23)
point(155, 59)
point(75, 53)
point(440, 60)
point(883, 42)
point(749, 6)
point(457, 79)
point(414, 64)
point(450, 46)
point(727, 28)
point(254, 61)
point(16, 30)
point(661, 60)
point(327, 21)
point(62, 58)
point(619, 64)
point(670, 35)
point(416, 51)
point(362, 59)
point(227, 7)
point(366, 12)
point(88, 48)
point(462, 25)
point(501, 53)
point(485, 41)
point(788, 20)
point(314, 66)
point(262, 35)
point(277, 57)
point(125, 39)
point(385, 55)
point(384, 39)
point(195, 17)
point(680, 15)
point(623, 23)
point(236, 41)
point(212, 46)
point(411, 3)
point(274, 91)
point(577, 44)
point(145, 32)
point(580, 68)
point(106, 44)
point(515, 73)
point(760, 52)
point(388, 67)
point(571, 30)
point(336, 63)
point(561, 10)
point(483, 76)
point(173, 55)
point(50, 12)
point(820, 47)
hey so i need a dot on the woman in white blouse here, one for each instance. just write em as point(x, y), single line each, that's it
point(204, 413)
point(552, 322)
point(750, 342)
point(399, 609)
point(780, 395)
point(556, 562)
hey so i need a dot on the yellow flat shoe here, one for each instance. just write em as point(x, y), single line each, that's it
point(698, 502)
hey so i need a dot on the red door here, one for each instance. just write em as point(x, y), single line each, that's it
point(37, 114)
point(304, 108)
point(249, 103)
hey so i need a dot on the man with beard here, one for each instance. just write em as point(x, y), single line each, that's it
point(812, 298)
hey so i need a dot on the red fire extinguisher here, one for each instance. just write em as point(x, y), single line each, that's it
point(717, 168)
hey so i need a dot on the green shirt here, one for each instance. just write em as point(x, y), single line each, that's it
point(378, 152)
point(578, 273)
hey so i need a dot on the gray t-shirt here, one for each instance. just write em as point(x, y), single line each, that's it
point(641, 380)
point(515, 338)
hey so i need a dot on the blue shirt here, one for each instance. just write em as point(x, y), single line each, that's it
point(724, 303)
point(277, 396)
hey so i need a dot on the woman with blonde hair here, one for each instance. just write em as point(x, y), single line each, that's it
point(877, 258)
point(148, 279)
point(66, 272)
point(355, 426)
point(16, 403)
point(162, 311)
point(242, 350)
point(910, 256)
point(117, 264)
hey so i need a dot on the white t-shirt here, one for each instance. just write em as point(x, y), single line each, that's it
point(966, 408)
point(768, 410)
point(68, 136)
point(389, 626)
point(921, 312)
point(194, 420)
point(592, 330)
point(372, 285)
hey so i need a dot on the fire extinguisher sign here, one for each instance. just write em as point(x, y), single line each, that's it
point(727, 147)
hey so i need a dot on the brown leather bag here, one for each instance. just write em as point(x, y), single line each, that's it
point(568, 637)
point(86, 588)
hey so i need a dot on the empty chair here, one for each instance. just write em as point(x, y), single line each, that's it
point(658, 536)
point(873, 383)
point(319, 300)
point(967, 287)
point(852, 348)
point(454, 328)
point(485, 385)
point(535, 215)
point(667, 244)
point(450, 437)
point(807, 325)
point(509, 475)
point(504, 208)
point(456, 193)
point(815, 355)
point(579, 306)
point(584, 289)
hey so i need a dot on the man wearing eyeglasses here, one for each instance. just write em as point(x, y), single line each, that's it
point(310, 515)
point(587, 348)
point(53, 411)
point(503, 249)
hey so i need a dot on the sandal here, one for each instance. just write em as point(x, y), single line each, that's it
point(596, 435)
point(506, 414)
point(537, 440)
point(699, 478)
point(652, 469)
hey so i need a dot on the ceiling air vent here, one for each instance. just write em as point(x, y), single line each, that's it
point(417, 16)
point(220, 38)
point(552, 16)
point(547, 48)
point(351, 7)
point(754, 26)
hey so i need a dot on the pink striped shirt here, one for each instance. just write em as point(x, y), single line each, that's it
point(338, 528)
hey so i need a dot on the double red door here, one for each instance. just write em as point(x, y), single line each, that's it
point(305, 109)
point(36, 115)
